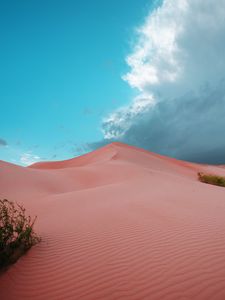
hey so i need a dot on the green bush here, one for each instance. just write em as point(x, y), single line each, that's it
point(211, 179)
point(16, 232)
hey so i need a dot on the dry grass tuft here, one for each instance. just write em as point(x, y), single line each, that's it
point(211, 179)
point(16, 232)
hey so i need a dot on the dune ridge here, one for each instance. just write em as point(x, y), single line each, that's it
point(118, 223)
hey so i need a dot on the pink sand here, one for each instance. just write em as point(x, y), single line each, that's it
point(118, 223)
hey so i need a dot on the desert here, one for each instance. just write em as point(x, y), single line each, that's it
point(118, 223)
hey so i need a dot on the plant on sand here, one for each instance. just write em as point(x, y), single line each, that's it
point(16, 232)
point(211, 179)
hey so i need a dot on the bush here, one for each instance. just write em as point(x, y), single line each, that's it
point(211, 179)
point(16, 232)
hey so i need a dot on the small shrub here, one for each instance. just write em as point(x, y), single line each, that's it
point(16, 232)
point(211, 179)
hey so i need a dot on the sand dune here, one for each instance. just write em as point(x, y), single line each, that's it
point(118, 223)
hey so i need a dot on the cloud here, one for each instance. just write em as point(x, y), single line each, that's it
point(119, 122)
point(154, 58)
point(3, 143)
point(180, 39)
point(29, 158)
point(177, 65)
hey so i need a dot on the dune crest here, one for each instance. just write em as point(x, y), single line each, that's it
point(118, 223)
point(98, 156)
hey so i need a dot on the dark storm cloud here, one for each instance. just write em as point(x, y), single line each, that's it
point(177, 65)
point(191, 127)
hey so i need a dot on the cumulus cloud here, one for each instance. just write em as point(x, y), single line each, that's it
point(125, 116)
point(3, 143)
point(29, 158)
point(155, 56)
point(177, 65)
point(180, 39)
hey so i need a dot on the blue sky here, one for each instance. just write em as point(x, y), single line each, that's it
point(60, 69)
point(76, 75)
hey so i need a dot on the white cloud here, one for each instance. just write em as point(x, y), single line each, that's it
point(29, 158)
point(178, 65)
point(180, 39)
point(155, 56)
point(124, 117)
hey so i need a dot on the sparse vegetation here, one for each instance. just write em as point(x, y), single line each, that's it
point(16, 232)
point(211, 179)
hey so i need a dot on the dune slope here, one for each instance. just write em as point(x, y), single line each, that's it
point(118, 223)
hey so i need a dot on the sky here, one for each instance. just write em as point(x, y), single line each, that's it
point(76, 75)
point(60, 69)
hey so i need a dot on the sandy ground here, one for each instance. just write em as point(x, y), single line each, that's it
point(118, 223)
